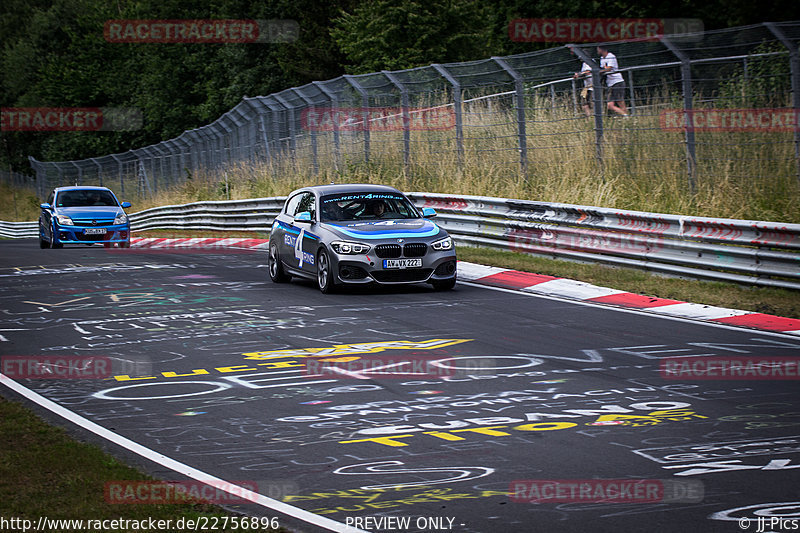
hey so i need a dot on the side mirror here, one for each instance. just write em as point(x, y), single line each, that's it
point(303, 216)
point(428, 212)
point(125, 205)
point(45, 206)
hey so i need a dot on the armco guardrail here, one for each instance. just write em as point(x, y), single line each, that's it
point(232, 215)
point(742, 251)
point(18, 230)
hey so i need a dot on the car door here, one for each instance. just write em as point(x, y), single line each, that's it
point(305, 244)
point(284, 231)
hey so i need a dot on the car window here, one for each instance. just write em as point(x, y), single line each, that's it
point(306, 204)
point(50, 198)
point(366, 206)
point(291, 205)
point(85, 198)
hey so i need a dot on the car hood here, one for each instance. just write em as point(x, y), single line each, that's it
point(99, 212)
point(385, 229)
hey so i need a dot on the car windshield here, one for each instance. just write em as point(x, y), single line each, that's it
point(85, 198)
point(366, 206)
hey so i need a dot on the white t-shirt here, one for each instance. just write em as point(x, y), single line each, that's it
point(613, 77)
point(587, 71)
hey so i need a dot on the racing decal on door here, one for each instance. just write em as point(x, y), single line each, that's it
point(294, 238)
point(299, 254)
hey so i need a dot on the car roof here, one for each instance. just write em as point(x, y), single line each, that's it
point(323, 190)
point(81, 188)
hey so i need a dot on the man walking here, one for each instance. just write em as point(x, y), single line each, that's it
point(614, 81)
point(586, 92)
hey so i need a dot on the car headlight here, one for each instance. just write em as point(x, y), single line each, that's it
point(64, 220)
point(349, 248)
point(122, 218)
point(443, 244)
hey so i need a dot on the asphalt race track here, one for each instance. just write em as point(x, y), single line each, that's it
point(406, 403)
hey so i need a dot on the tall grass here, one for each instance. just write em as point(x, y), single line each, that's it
point(642, 167)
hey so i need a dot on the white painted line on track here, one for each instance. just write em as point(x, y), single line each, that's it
point(703, 312)
point(571, 289)
point(177, 466)
point(642, 312)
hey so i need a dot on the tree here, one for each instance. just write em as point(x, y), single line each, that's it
point(399, 34)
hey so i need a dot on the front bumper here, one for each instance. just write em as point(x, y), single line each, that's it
point(77, 234)
point(367, 268)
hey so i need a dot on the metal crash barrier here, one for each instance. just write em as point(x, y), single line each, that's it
point(742, 251)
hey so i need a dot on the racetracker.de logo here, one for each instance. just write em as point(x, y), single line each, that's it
point(56, 367)
point(202, 31)
point(731, 368)
point(70, 119)
point(558, 30)
point(606, 491)
point(356, 367)
point(377, 118)
point(178, 492)
point(753, 120)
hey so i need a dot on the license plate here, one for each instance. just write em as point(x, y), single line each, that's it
point(402, 263)
point(94, 231)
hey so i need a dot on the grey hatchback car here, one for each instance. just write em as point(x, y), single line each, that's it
point(358, 234)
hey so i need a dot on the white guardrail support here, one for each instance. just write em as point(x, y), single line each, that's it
point(742, 251)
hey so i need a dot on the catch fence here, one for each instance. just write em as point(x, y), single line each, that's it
point(517, 117)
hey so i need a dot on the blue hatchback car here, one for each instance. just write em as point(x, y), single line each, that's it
point(83, 215)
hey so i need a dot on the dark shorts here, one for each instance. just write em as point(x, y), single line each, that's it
point(616, 93)
point(586, 100)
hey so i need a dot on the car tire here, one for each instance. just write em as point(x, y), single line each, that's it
point(54, 241)
point(276, 272)
point(43, 243)
point(126, 244)
point(324, 273)
point(444, 285)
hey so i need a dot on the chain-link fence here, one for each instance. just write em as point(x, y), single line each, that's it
point(719, 103)
point(17, 179)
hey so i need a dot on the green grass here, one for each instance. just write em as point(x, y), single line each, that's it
point(18, 205)
point(44, 472)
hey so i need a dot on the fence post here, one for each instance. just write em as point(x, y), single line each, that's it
point(632, 109)
point(794, 65)
point(597, 105)
point(406, 120)
point(292, 134)
point(574, 96)
point(181, 161)
point(520, 107)
point(365, 104)
point(210, 143)
point(174, 163)
point(119, 168)
point(335, 113)
point(158, 150)
point(79, 181)
point(313, 133)
point(99, 170)
point(276, 132)
point(457, 108)
point(39, 186)
point(686, 88)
